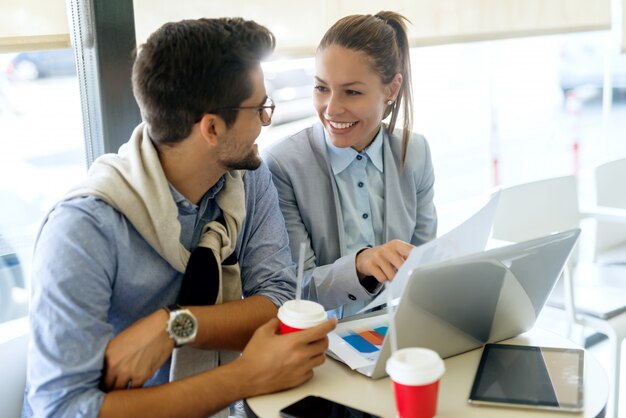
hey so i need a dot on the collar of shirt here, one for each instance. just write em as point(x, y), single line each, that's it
point(186, 206)
point(341, 158)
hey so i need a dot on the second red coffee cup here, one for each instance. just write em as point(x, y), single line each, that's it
point(296, 315)
point(415, 373)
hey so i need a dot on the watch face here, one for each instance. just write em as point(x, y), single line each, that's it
point(183, 326)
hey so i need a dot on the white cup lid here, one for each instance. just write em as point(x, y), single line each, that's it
point(415, 366)
point(302, 314)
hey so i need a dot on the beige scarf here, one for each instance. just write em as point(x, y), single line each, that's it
point(133, 182)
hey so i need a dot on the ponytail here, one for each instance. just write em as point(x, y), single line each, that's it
point(383, 38)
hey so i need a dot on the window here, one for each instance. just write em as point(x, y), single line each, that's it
point(43, 151)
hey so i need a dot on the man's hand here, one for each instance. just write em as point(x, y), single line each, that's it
point(135, 354)
point(382, 261)
point(273, 362)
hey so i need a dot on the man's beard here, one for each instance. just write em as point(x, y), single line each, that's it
point(250, 162)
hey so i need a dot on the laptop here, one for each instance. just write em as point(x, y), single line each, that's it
point(458, 305)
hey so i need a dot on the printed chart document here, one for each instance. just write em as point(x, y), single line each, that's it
point(469, 237)
point(358, 343)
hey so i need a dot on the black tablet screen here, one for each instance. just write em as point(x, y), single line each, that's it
point(530, 376)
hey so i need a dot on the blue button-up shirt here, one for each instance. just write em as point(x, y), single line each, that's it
point(94, 275)
point(361, 188)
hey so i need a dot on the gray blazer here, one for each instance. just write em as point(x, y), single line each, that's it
point(310, 203)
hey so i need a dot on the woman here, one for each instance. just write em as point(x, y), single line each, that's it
point(358, 193)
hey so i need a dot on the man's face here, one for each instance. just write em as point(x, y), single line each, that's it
point(237, 149)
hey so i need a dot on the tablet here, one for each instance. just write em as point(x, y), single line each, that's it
point(530, 377)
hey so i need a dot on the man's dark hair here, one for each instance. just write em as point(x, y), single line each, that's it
point(191, 67)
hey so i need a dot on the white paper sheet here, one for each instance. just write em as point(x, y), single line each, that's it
point(469, 237)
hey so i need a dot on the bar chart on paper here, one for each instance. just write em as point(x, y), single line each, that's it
point(358, 342)
point(367, 341)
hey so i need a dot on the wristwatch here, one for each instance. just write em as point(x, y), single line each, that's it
point(182, 325)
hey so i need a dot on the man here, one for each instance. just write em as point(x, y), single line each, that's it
point(171, 219)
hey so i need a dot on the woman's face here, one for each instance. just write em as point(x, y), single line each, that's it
point(350, 98)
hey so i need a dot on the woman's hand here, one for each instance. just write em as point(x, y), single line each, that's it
point(382, 261)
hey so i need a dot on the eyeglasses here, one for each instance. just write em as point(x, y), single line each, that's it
point(266, 110)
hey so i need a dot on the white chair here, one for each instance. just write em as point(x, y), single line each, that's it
point(610, 243)
point(6, 297)
point(542, 207)
point(13, 299)
point(13, 349)
point(13, 295)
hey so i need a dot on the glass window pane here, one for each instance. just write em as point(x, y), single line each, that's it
point(517, 110)
point(42, 146)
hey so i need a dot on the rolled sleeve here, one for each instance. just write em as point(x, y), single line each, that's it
point(267, 268)
point(71, 288)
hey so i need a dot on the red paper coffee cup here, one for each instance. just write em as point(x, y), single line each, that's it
point(296, 315)
point(415, 373)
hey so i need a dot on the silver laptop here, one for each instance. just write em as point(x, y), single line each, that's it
point(458, 305)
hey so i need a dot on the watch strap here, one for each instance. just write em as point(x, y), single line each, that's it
point(171, 308)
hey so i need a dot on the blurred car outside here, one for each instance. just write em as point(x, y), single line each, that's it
point(13, 295)
point(289, 83)
point(33, 65)
point(10, 263)
point(582, 65)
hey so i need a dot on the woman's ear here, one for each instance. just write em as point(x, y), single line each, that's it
point(394, 87)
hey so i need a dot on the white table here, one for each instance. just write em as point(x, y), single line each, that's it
point(334, 380)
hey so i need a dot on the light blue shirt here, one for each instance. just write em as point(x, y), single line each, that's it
point(94, 275)
point(361, 189)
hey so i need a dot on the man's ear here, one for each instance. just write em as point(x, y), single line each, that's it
point(211, 128)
